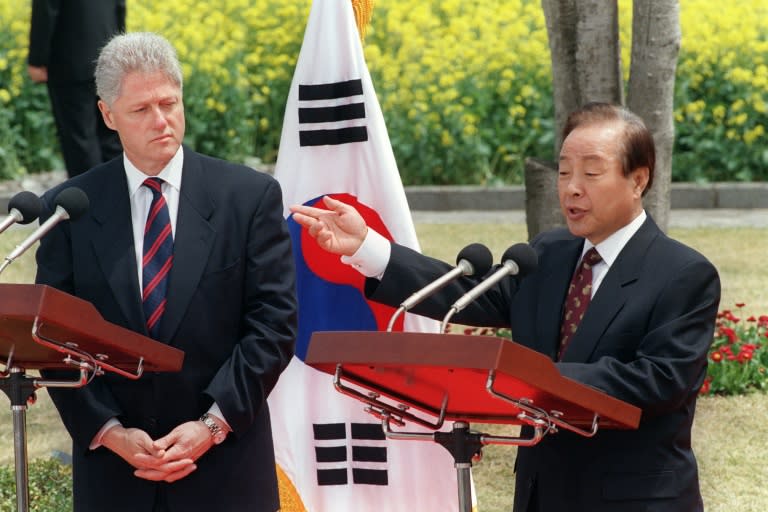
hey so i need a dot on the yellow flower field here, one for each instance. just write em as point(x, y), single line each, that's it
point(464, 86)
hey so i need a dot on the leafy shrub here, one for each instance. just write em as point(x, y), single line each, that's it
point(50, 487)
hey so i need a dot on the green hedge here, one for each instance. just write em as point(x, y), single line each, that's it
point(50, 487)
point(465, 86)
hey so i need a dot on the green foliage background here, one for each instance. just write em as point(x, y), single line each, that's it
point(465, 86)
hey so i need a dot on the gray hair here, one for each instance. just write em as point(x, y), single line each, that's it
point(144, 52)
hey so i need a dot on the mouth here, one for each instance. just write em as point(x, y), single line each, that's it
point(162, 138)
point(574, 213)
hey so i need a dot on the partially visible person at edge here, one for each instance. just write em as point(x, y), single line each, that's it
point(643, 339)
point(199, 439)
point(64, 40)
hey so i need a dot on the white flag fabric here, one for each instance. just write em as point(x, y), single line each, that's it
point(334, 142)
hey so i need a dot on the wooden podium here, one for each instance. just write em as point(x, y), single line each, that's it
point(428, 378)
point(42, 328)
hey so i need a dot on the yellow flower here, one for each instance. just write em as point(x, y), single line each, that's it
point(5, 96)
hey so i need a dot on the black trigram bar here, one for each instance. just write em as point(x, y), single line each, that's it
point(331, 91)
point(333, 137)
point(329, 431)
point(372, 431)
point(332, 476)
point(331, 453)
point(370, 476)
point(369, 454)
point(331, 114)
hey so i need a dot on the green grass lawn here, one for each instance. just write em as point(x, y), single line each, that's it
point(729, 433)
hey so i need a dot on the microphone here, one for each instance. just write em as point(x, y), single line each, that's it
point(474, 259)
point(520, 259)
point(23, 208)
point(70, 203)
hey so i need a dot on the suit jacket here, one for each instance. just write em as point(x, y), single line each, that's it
point(67, 35)
point(231, 308)
point(644, 339)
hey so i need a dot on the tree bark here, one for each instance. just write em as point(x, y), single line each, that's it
point(655, 49)
point(542, 207)
point(586, 66)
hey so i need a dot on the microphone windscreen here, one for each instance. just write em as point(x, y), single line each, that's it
point(73, 200)
point(479, 256)
point(27, 204)
point(523, 254)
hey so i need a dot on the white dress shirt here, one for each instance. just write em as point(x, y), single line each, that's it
point(141, 200)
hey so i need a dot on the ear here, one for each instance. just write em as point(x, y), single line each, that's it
point(106, 114)
point(639, 178)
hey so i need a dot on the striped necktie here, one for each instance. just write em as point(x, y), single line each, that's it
point(578, 298)
point(158, 257)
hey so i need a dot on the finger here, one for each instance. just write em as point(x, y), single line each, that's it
point(147, 461)
point(150, 474)
point(304, 220)
point(310, 211)
point(178, 475)
point(335, 204)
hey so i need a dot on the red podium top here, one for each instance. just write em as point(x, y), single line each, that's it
point(76, 322)
point(420, 369)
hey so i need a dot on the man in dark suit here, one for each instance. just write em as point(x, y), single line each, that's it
point(64, 40)
point(649, 320)
point(199, 439)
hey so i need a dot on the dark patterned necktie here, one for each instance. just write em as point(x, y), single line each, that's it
point(577, 300)
point(158, 257)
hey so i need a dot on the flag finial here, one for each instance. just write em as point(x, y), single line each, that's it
point(363, 13)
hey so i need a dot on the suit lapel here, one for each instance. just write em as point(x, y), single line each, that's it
point(613, 293)
point(554, 287)
point(113, 243)
point(192, 243)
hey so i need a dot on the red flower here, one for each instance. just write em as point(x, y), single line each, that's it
point(705, 387)
point(716, 356)
point(728, 333)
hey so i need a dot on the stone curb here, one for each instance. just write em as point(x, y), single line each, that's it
point(684, 196)
point(465, 197)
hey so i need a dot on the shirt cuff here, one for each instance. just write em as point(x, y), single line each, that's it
point(372, 257)
point(215, 411)
point(96, 443)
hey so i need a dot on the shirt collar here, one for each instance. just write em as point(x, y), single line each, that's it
point(610, 248)
point(171, 173)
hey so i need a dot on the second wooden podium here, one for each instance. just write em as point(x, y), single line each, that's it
point(430, 378)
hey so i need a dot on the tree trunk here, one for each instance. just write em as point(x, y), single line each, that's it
point(542, 207)
point(586, 66)
point(655, 48)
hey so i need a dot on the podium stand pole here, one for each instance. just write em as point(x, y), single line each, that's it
point(464, 446)
point(19, 388)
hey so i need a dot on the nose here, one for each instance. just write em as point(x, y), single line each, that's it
point(571, 185)
point(159, 120)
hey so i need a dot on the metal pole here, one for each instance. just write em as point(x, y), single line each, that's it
point(464, 480)
point(20, 452)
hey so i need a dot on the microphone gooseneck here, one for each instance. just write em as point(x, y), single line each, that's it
point(71, 203)
point(474, 259)
point(520, 259)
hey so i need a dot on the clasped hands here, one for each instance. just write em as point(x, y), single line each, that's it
point(168, 458)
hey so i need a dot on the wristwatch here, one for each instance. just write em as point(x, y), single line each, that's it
point(217, 433)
